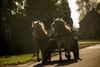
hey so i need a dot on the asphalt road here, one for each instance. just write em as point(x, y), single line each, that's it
point(90, 57)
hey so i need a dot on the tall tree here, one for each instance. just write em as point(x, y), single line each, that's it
point(90, 18)
point(5, 8)
point(46, 9)
point(86, 6)
point(64, 11)
point(15, 26)
point(16, 17)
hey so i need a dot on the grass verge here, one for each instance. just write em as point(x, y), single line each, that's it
point(87, 43)
point(15, 59)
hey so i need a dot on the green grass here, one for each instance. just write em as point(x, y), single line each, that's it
point(86, 43)
point(81, 42)
point(23, 58)
point(15, 59)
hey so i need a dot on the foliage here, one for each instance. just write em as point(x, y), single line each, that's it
point(15, 27)
point(42, 9)
point(86, 6)
point(17, 15)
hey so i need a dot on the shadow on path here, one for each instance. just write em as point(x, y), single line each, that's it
point(57, 63)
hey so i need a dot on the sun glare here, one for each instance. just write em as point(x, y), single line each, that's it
point(74, 13)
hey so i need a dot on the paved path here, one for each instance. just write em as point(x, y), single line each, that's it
point(90, 58)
